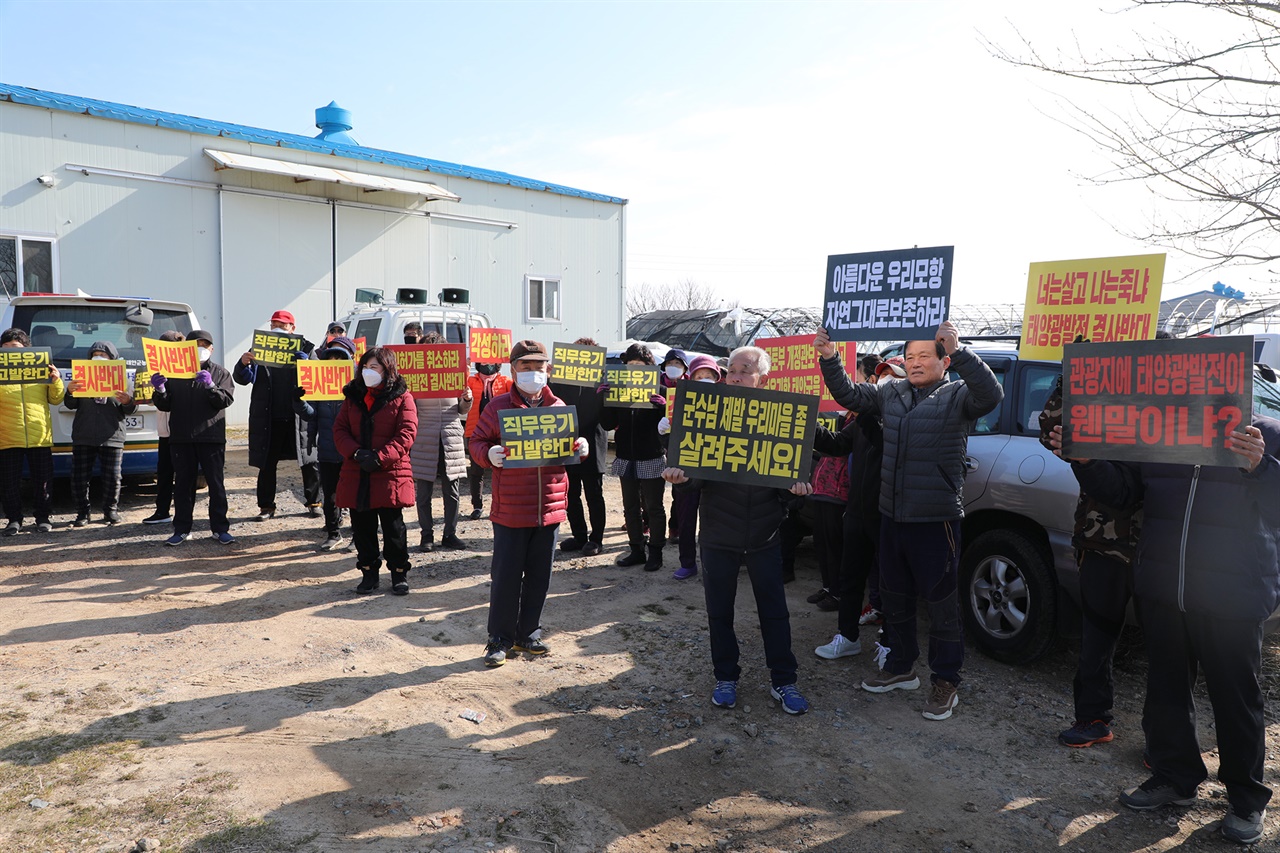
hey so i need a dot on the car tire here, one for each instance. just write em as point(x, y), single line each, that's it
point(1008, 596)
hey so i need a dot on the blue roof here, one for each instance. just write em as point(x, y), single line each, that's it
point(191, 124)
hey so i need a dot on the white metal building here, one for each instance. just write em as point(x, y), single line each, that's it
point(237, 221)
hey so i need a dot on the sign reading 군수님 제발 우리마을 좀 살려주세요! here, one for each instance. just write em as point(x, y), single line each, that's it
point(895, 294)
point(742, 435)
point(537, 437)
point(577, 364)
point(1172, 401)
point(432, 370)
point(25, 365)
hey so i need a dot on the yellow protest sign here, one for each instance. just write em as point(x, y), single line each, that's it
point(99, 378)
point(325, 379)
point(172, 359)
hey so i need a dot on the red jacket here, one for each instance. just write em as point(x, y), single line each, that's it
point(388, 429)
point(522, 497)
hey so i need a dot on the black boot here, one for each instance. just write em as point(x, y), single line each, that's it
point(399, 581)
point(655, 559)
point(368, 580)
point(631, 558)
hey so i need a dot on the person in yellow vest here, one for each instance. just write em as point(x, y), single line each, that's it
point(26, 433)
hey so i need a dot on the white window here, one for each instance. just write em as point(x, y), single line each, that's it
point(26, 265)
point(542, 299)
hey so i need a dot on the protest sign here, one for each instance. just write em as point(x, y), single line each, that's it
point(537, 437)
point(577, 364)
point(671, 403)
point(99, 378)
point(432, 370)
point(793, 367)
point(630, 386)
point(276, 349)
point(1157, 401)
point(490, 346)
point(742, 435)
point(1103, 299)
point(172, 359)
point(25, 365)
point(361, 346)
point(904, 293)
point(324, 379)
point(140, 386)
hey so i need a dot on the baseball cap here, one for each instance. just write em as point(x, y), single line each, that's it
point(201, 335)
point(283, 316)
point(336, 329)
point(896, 365)
point(530, 350)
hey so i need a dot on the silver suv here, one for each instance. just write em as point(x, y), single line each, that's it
point(1020, 504)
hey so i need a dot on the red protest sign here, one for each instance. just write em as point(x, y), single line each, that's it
point(793, 367)
point(432, 370)
point(490, 346)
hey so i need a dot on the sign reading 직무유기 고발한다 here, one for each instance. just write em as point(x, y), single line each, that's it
point(793, 367)
point(276, 349)
point(577, 364)
point(1172, 401)
point(1102, 299)
point(896, 294)
point(539, 436)
point(432, 370)
point(25, 366)
point(631, 386)
point(742, 435)
point(324, 379)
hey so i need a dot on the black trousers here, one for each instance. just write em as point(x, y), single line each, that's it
point(1229, 653)
point(521, 575)
point(284, 446)
point(646, 495)
point(859, 563)
point(920, 561)
point(449, 490)
point(720, 569)
point(586, 479)
point(828, 538)
point(475, 477)
point(329, 472)
point(395, 541)
point(1106, 585)
point(109, 461)
point(189, 458)
point(40, 466)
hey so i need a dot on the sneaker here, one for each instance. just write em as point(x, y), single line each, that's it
point(333, 542)
point(82, 520)
point(839, 647)
point(530, 646)
point(12, 529)
point(829, 603)
point(111, 517)
point(1082, 734)
point(264, 514)
point(943, 702)
point(591, 549)
point(684, 573)
point(158, 518)
point(881, 655)
point(43, 527)
point(571, 544)
point(817, 596)
point(454, 543)
point(631, 558)
point(476, 513)
point(886, 681)
point(1154, 793)
point(177, 539)
point(725, 695)
point(1243, 830)
point(224, 538)
point(495, 654)
point(871, 616)
point(789, 696)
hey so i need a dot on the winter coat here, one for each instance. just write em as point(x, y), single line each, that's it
point(498, 384)
point(635, 431)
point(736, 517)
point(522, 497)
point(263, 409)
point(197, 415)
point(99, 421)
point(589, 405)
point(440, 422)
point(831, 479)
point(25, 417)
point(1210, 534)
point(319, 416)
point(926, 434)
point(862, 442)
point(389, 429)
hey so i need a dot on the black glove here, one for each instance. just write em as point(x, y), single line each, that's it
point(300, 391)
point(367, 460)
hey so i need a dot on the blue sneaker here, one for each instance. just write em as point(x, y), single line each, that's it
point(224, 538)
point(789, 696)
point(725, 695)
point(177, 539)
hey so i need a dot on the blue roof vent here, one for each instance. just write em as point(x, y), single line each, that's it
point(334, 122)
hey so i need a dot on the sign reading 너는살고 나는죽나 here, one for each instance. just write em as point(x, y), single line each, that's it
point(100, 378)
point(742, 435)
point(577, 364)
point(324, 379)
point(25, 365)
point(432, 370)
point(631, 386)
point(793, 367)
point(889, 295)
point(1172, 401)
point(489, 346)
point(539, 436)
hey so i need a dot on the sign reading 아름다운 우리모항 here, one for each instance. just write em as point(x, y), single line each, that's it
point(539, 436)
point(793, 367)
point(432, 370)
point(577, 364)
point(1170, 401)
point(101, 378)
point(631, 386)
point(742, 435)
point(324, 379)
point(1103, 299)
point(171, 359)
point(276, 349)
point(25, 365)
point(904, 293)
point(490, 346)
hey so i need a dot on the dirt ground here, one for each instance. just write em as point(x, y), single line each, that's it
point(243, 698)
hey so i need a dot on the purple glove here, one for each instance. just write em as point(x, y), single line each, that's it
point(602, 388)
point(658, 400)
point(204, 379)
point(157, 381)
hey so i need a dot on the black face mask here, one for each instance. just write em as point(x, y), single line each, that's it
point(487, 369)
point(410, 339)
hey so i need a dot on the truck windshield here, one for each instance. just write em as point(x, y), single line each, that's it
point(69, 330)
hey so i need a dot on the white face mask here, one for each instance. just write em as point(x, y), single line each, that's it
point(371, 377)
point(674, 372)
point(101, 358)
point(205, 353)
point(885, 379)
point(709, 381)
point(531, 382)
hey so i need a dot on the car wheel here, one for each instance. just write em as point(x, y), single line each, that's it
point(1008, 596)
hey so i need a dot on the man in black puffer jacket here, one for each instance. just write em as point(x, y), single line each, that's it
point(926, 432)
point(1206, 578)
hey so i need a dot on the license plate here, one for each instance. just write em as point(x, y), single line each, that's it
point(132, 423)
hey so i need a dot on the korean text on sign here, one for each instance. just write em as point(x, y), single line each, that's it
point(25, 365)
point(99, 378)
point(325, 379)
point(276, 349)
point(538, 437)
point(172, 359)
point(793, 367)
point(742, 435)
point(1101, 299)
point(905, 293)
point(1157, 401)
point(631, 387)
point(490, 346)
point(432, 370)
point(577, 364)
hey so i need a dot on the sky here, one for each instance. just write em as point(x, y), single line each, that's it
point(752, 140)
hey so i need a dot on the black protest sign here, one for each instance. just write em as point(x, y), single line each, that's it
point(1156, 401)
point(742, 435)
point(25, 366)
point(577, 364)
point(538, 436)
point(901, 294)
point(276, 349)
point(631, 386)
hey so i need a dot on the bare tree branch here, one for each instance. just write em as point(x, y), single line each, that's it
point(684, 295)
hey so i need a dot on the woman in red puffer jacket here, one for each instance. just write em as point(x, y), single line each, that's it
point(373, 432)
